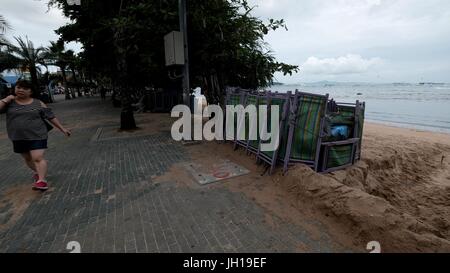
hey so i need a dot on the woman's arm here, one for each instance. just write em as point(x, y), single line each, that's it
point(57, 124)
point(4, 102)
point(2, 105)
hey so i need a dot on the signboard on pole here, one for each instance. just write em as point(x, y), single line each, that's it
point(174, 48)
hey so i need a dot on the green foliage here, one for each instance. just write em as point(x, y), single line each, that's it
point(123, 40)
point(4, 25)
point(25, 57)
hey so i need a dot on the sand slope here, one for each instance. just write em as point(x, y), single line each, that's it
point(399, 194)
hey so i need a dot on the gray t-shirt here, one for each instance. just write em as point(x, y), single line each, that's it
point(25, 122)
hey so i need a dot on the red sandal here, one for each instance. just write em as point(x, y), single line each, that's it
point(40, 185)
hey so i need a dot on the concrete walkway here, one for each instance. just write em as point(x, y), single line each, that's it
point(104, 196)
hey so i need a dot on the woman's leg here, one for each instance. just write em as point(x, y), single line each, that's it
point(29, 161)
point(41, 164)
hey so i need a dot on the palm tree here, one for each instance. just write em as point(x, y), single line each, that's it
point(3, 27)
point(3, 24)
point(56, 55)
point(26, 56)
point(74, 62)
point(8, 61)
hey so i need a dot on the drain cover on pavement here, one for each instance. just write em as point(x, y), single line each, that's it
point(217, 172)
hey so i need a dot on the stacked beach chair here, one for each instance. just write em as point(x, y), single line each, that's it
point(305, 122)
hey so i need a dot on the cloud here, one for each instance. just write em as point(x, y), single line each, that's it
point(349, 64)
point(407, 34)
point(33, 19)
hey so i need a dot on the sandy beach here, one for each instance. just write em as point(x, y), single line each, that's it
point(398, 194)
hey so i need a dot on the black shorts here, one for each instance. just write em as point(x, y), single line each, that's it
point(24, 146)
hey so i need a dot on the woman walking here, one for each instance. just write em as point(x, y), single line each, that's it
point(27, 129)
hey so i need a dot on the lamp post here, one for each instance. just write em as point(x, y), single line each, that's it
point(183, 29)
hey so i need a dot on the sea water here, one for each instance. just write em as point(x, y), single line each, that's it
point(418, 106)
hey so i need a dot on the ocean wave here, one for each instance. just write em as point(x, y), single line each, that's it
point(414, 125)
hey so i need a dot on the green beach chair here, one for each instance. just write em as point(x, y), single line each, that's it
point(360, 115)
point(234, 96)
point(340, 154)
point(251, 98)
point(283, 102)
point(304, 133)
point(253, 145)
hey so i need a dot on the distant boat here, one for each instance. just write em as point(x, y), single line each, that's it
point(277, 83)
point(401, 84)
point(431, 83)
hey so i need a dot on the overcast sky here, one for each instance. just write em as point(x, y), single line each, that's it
point(362, 40)
point(335, 40)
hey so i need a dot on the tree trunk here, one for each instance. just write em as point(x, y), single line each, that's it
point(34, 81)
point(77, 83)
point(127, 121)
point(66, 90)
point(211, 89)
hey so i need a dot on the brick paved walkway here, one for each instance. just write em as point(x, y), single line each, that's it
point(104, 197)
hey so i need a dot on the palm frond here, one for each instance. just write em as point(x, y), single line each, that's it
point(4, 25)
point(3, 41)
point(24, 54)
point(9, 61)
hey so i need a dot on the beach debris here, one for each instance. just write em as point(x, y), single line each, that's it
point(224, 169)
